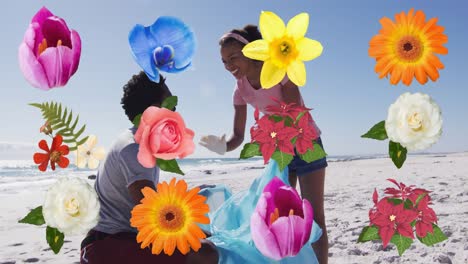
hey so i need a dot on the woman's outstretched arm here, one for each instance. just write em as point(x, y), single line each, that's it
point(240, 118)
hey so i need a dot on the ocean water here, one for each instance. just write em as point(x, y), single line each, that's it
point(26, 168)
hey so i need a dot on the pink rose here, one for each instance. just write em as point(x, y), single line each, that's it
point(162, 134)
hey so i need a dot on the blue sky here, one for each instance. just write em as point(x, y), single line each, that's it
point(347, 96)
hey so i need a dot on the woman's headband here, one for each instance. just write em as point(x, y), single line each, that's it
point(236, 37)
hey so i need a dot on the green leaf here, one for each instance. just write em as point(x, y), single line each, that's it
point(75, 123)
point(408, 204)
point(377, 132)
point(288, 121)
point(398, 153)
point(60, 118)
point(313, 155)
point(136, 120)
point(369, 233)
point(275, 118)
point(82, 141)
point(169, 165)
point(54, 238)
point(34, 217)
point(395, 201)
point(169, 103)
point(299, 116)
point(401, 242)
point(433, 238)
point(283, 159)
point(250, 150)
point(64, 114)
point(420, 198)
point(78, 134)
point(70, 117)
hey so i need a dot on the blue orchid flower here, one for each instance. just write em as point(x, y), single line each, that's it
point(167, 45)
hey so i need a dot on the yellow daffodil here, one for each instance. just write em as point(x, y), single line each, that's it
point(168, 218)
point(406, 48)
point(283, 49)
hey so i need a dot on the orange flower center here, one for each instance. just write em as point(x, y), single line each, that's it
point(409, 48)
point(43, 46)
point(171, 218)
point(55, 156)
point(392, 218)
point(275, 215)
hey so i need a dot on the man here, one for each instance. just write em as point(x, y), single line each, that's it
point(118, 184)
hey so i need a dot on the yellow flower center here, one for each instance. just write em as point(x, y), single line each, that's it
point(273, 134)
point(415, 122)
point(171, 218)
point(409, 48)
point(283, 51)
point(55, 156)
point(392, 218)
point(72, 207)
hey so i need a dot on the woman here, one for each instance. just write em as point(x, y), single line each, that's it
point(249, 91)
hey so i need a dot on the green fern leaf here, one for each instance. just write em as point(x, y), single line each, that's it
point(60, 118)
point(75, 123)
point(70, 117)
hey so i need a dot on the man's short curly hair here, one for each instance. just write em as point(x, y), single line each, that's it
point(140, 93)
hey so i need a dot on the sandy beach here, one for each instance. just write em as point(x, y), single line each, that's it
point(348, 198)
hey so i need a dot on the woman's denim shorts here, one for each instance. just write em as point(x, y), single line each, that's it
point(301, 167)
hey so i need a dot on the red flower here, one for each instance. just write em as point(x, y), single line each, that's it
point(55, 154)
point(283, 109)
point(426, 216)
point(270, 135)
point(390, 218)
point(402, 192)
point(417, 192)
point(306, 133)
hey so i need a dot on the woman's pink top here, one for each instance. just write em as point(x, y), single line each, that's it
point(245, 94)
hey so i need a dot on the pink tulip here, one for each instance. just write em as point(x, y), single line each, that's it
point(281, 223)
point(50, 52)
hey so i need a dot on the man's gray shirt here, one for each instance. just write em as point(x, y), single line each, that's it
point(118, 171)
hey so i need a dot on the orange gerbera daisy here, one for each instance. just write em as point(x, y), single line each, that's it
point(168, 218)
point(406, 48)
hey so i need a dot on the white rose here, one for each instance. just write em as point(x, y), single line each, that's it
point(414, 121)
point(72, 206)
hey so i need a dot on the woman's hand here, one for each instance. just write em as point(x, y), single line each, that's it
point(214, 143)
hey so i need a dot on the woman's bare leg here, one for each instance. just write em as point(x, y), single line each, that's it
point(312, 188)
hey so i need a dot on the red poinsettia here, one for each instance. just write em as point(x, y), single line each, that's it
point(391, 218)
point(418, 192)
point(402, 192)
point(56, 154)
point(305, 134)
point(272, 135)
point(425, 218)
point(283, 109)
